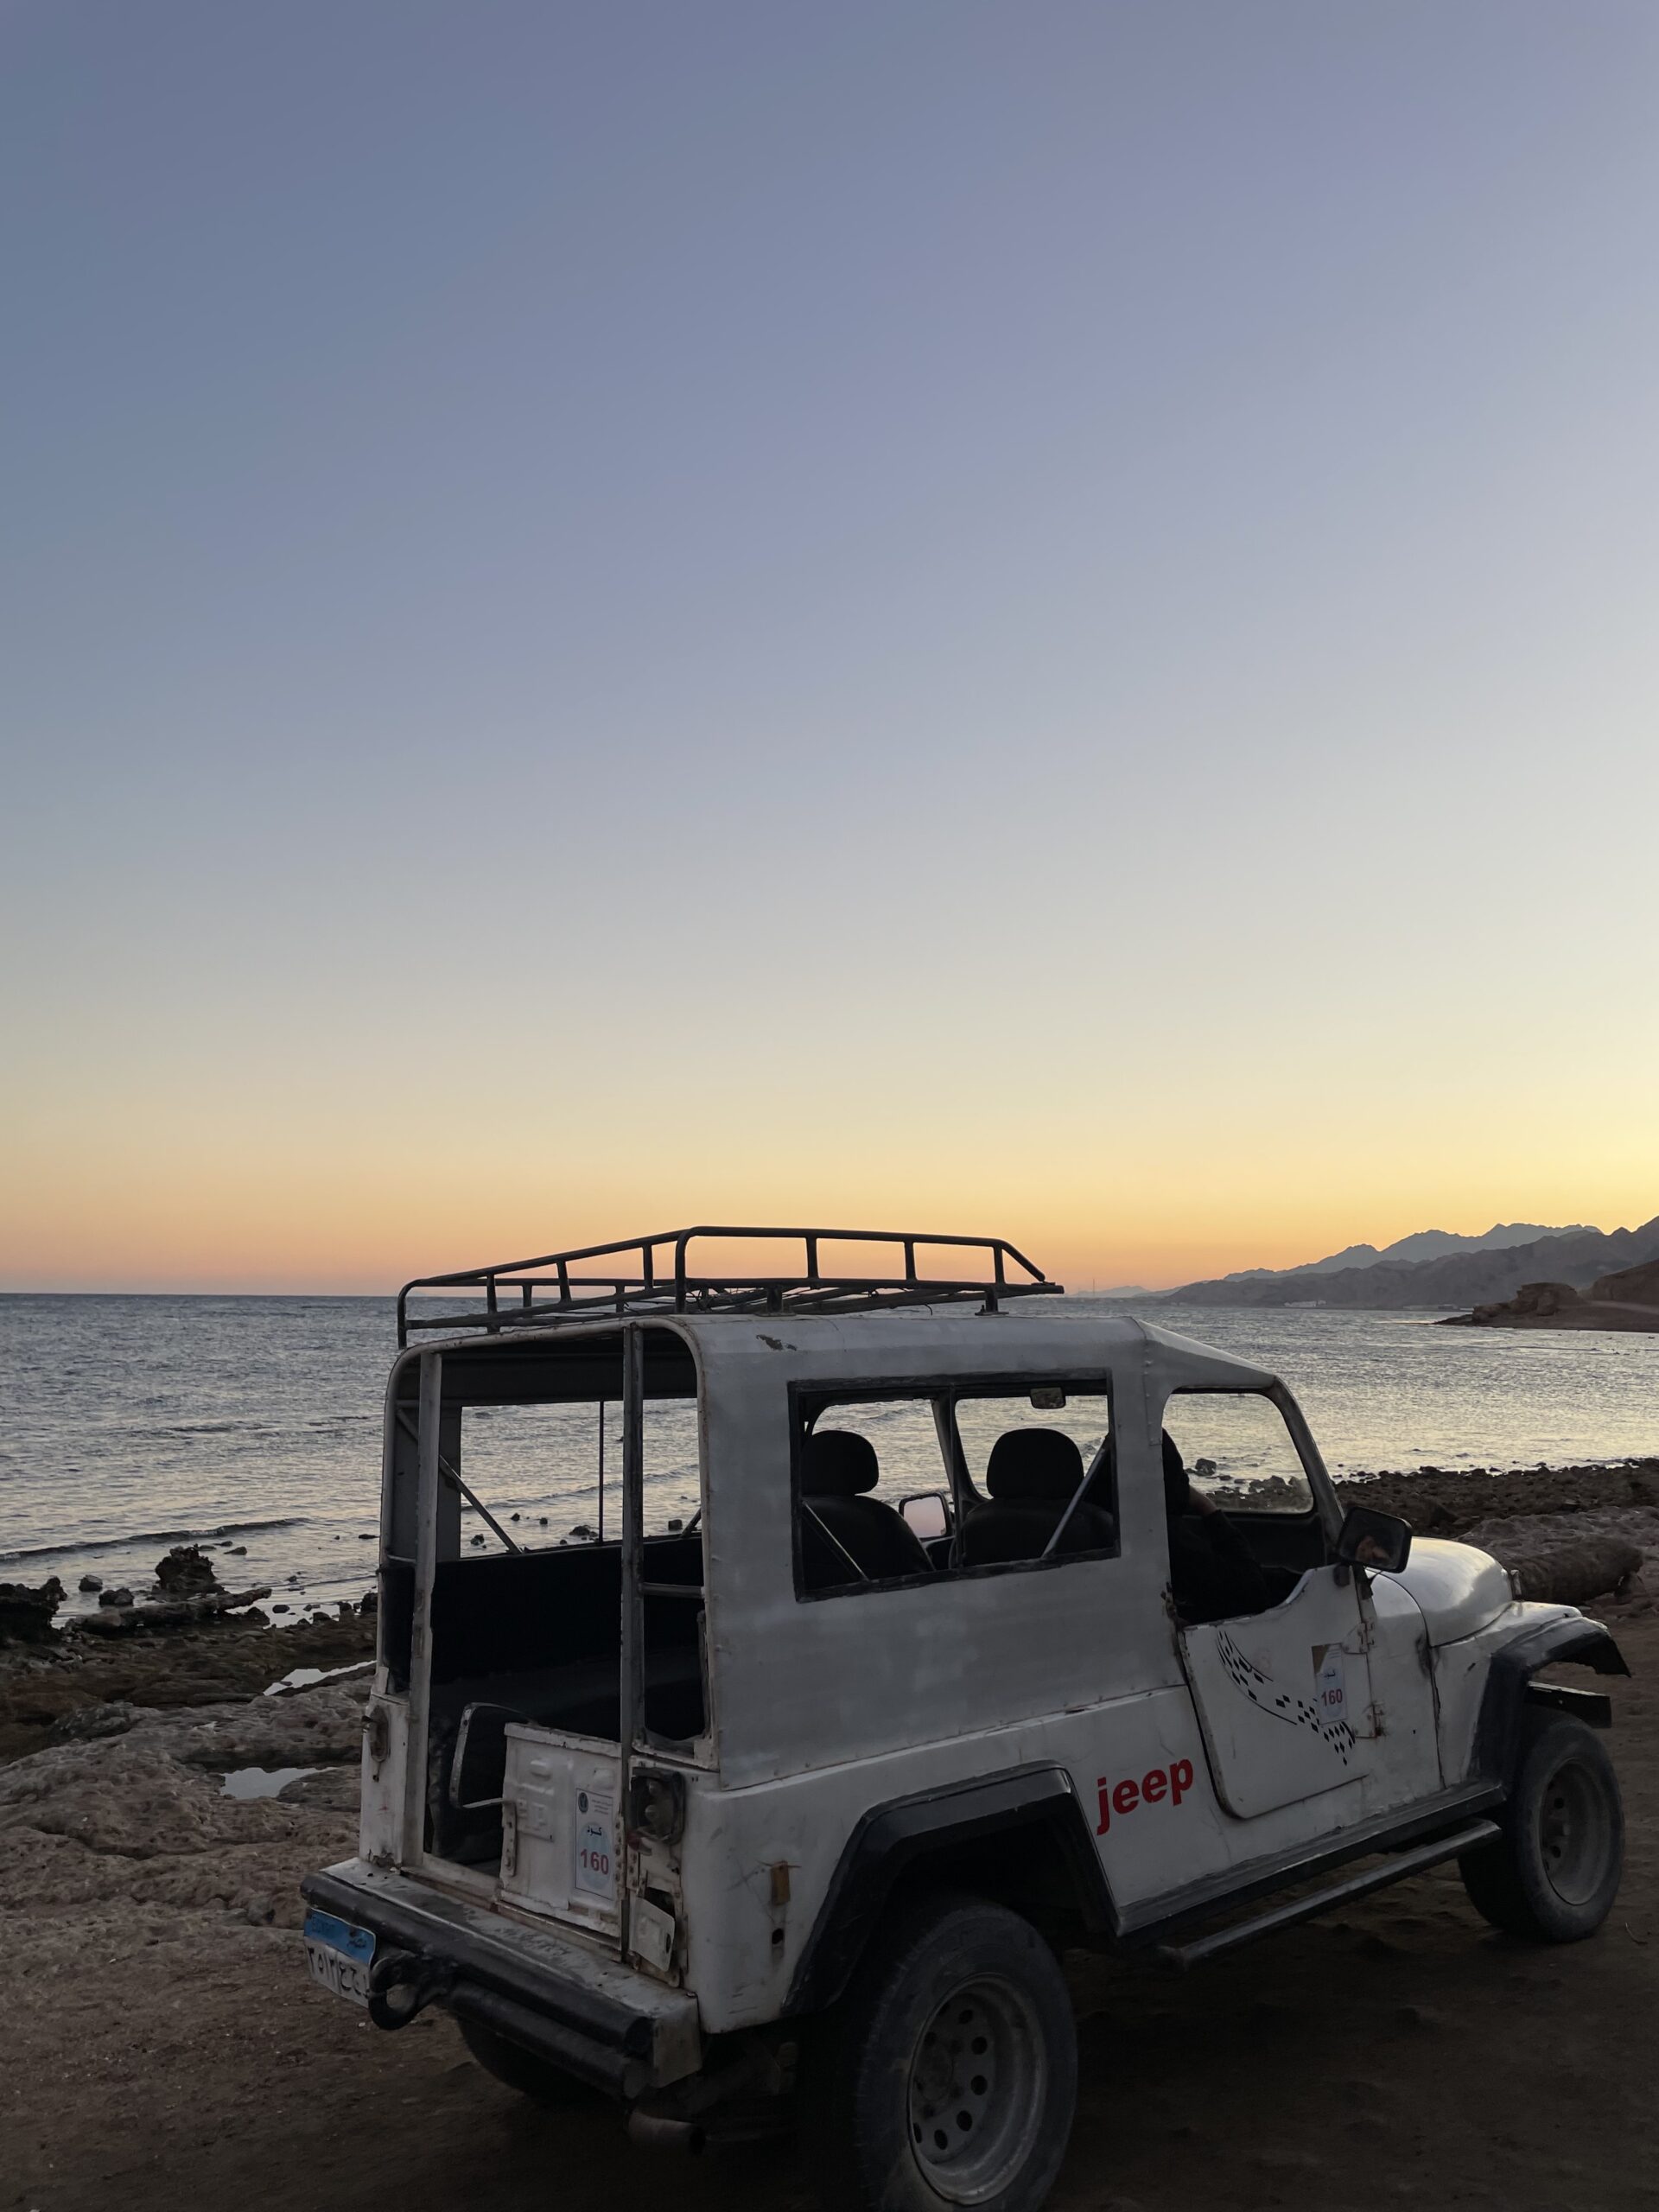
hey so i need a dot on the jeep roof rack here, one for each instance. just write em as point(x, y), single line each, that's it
point(651, 1276)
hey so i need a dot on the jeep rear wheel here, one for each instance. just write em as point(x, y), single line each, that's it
point(948, 2073)
point(1553, 1872)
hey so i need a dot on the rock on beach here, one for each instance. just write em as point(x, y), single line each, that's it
point(130, 1807)
point(186, 1571)
point(26, 1613)
point(1555, 1560)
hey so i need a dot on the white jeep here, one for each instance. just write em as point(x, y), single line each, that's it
point(786, 1799)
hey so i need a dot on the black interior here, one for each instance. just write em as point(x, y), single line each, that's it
point(1293, 1541)
point(1283, 1545)
point(536, 1637)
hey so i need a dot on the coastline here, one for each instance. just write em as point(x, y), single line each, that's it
point(77, 1686)
point(53, 1686)
point(1627, 1301)
point(1640, 1320)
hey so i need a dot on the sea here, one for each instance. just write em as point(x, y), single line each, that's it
point(252, 1425)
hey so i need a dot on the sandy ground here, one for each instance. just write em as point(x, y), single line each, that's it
point(159, 2038)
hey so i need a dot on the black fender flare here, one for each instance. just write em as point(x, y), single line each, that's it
point(1577, 1640)
point(890, 1838)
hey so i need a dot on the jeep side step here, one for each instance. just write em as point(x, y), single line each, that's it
point(1396, 1869)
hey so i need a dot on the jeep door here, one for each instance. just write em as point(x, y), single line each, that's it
point(1283, 1691)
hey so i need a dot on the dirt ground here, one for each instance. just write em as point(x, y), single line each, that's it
point(159, 2039)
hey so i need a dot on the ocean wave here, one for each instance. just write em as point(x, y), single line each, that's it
point(253, 1428)
point(147, 1536)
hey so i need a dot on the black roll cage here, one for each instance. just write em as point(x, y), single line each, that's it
point(654, 1276)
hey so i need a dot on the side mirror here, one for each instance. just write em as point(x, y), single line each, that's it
point(1379, 1541)
point(926, 1515)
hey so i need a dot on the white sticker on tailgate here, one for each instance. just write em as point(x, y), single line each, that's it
point(595, 1841)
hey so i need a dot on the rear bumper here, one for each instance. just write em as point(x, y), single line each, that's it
point(580, 2011)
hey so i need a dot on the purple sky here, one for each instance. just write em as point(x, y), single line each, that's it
point(1035, 618)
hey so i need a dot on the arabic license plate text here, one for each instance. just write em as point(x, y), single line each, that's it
point(339, 1956)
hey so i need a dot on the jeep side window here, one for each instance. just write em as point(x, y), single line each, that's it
point(1239, 1452)
point(1033, 1480)
point(1248, 1529)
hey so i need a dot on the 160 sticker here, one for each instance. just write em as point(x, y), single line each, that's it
point(595, 1845)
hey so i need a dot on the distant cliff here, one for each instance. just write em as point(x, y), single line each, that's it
point(1628, 1300)
point(1457, 1279)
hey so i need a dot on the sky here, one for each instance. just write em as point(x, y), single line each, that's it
point(1026, 620)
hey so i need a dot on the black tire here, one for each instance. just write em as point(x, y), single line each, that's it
point(1553, 1873)
point(521, 2070)
point(947, 2075)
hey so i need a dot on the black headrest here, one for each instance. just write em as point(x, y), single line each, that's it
point(837, 1464)
point(1034, 1463)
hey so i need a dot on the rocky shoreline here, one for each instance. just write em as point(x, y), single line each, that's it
point(1575, 1533)
point(1569, 1535)
point(1628, 1300)
point(47, 1690)
point(1451, 1500)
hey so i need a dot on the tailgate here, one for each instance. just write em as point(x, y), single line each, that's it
point(561, 1830)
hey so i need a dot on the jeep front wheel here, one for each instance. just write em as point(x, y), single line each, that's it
point(948, 2073)
point(1553, 1872)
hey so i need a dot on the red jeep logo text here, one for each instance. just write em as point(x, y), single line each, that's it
point(1173, 1782)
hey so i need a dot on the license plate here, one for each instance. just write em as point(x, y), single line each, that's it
point(339, 1955)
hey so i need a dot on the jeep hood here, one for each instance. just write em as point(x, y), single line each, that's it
point(1457, 1589)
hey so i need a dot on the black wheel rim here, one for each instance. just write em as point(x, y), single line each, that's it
point(1573, 1834)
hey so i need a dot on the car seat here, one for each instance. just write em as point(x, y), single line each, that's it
point(847, 1536)
point(1032, 1476)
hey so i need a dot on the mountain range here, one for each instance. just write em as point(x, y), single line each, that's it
point(1422, 1244)
point(1450, 1272)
